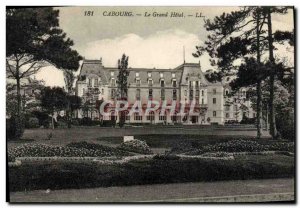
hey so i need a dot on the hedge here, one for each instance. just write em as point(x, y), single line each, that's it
point(63, 175)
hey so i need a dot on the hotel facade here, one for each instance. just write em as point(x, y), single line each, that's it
point(185, 87)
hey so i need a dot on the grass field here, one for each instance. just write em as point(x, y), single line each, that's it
point(158, 137)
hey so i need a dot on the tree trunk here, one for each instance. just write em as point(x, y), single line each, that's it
point(18, 119)
point(258, 84)
point(259, 110)
point(273, 130)
point(52, 121)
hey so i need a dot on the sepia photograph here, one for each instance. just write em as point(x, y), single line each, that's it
point(150, 104)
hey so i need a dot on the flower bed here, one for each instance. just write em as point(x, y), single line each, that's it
point(42, 150)
point(242, 146)
point(135, 145)
point(98, 147)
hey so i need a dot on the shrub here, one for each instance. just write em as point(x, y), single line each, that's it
point(62, 124)
point(15, 127)
point(11, 158)
point(166, 157)
point(136, 145)
point(75, 122)
point(32, 122)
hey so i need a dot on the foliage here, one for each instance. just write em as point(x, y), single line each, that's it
point(135, 145)
point(122, 84)
point(34, 40)
point(33, 34)
point(32, 122)
point(53, 99)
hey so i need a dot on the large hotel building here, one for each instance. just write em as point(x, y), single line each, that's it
point(184, 84)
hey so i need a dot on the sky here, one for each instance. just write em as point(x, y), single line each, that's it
point(160, 42)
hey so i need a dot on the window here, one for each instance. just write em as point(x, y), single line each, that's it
point(174, 83)
point(202, 101)
point(227, 107)
point(254, 115)
point(162, 117)
point(174, 118)
point(197, 93)
point(138, 94)
point(185, 93)
point(227, 115)
point(162, 83)
point(227, 79)
point(137, 74)
point(113, 82)
point(112, 74)
point(214, 113)
point(137, 117)
point(151, 116)
point(83, 91)
point(149, 74)
point(214, 100)
point(162, 93)
point(150, 94)
point(113, 93)
point(102, 91)
point(191, 94)
point(96, 82)
point(174, 94)
point(202, 92)
point(190, 84)
point(161, 75)
point(173, 75)
point(89, 82)
point(214, 91)
point(150, 82)
point(138, 82)
point(197, 83)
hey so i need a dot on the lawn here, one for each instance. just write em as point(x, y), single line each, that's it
point(159, 137)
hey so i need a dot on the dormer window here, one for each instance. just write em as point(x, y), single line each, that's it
point(226, 92)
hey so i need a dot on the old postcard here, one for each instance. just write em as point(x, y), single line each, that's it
point(150, 104)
